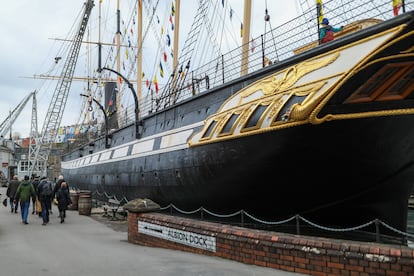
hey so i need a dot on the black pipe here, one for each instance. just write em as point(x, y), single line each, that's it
point(137, 133)
point(107, 145)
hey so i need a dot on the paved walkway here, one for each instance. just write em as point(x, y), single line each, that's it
point(85, 246)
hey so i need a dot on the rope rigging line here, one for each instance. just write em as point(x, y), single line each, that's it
point(267, 19)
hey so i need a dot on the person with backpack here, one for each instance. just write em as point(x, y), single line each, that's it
point(24, 192)
point(326, 32)
point(45, 191)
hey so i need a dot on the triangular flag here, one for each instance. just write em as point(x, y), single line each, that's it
point(161, 70)
point(319, 10)
point(241, 30)
point(396, 4)
point(156, 83)
point(253, 45)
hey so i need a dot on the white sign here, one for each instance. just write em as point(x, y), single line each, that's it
point(179, 236)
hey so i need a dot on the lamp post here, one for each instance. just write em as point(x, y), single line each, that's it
point(107, 145)
point(137, 133)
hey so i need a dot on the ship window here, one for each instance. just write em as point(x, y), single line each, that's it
point(255, 116)
point(391, 82)
point(209, 129)
point(229, 124)
point(402, 88)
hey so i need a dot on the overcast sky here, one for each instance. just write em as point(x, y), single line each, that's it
point(28, 47)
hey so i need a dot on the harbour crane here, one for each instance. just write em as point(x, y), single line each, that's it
point(39, 154)
point(8, 122)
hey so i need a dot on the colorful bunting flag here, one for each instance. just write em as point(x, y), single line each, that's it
point(156, 83)
point(319, 10)
point(168, 40)
point(396, 4)
point(161, 70)
point(241, 30)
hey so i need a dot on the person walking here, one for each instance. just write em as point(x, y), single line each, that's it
point(45, 190)
point(63, 199)
point(36, 181)
point(11, 192)
point(24, 192)
point(58, 183)
point(326, 32)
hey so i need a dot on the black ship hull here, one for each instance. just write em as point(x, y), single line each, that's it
point(311, 136)
point(306, 170)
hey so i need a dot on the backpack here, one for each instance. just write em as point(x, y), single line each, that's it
point(46, 189)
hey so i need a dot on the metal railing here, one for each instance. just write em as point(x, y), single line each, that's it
point(297, 222)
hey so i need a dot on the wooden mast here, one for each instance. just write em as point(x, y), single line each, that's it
point(139, 55)
point(175, 50)
point(118, 63)
point(176, 36)
point(246, 37)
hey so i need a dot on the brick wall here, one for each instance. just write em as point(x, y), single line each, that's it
point(301, 254)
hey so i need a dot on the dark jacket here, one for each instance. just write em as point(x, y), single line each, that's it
point(40, 189)
point(36, 184)
point(12, 188)
point(25, 191)
point(63, 198)
point(57, 186)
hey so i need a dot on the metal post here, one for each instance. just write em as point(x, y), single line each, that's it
point(377, 230)
point(263, 51)
point(222, 68)
point(297, 224)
